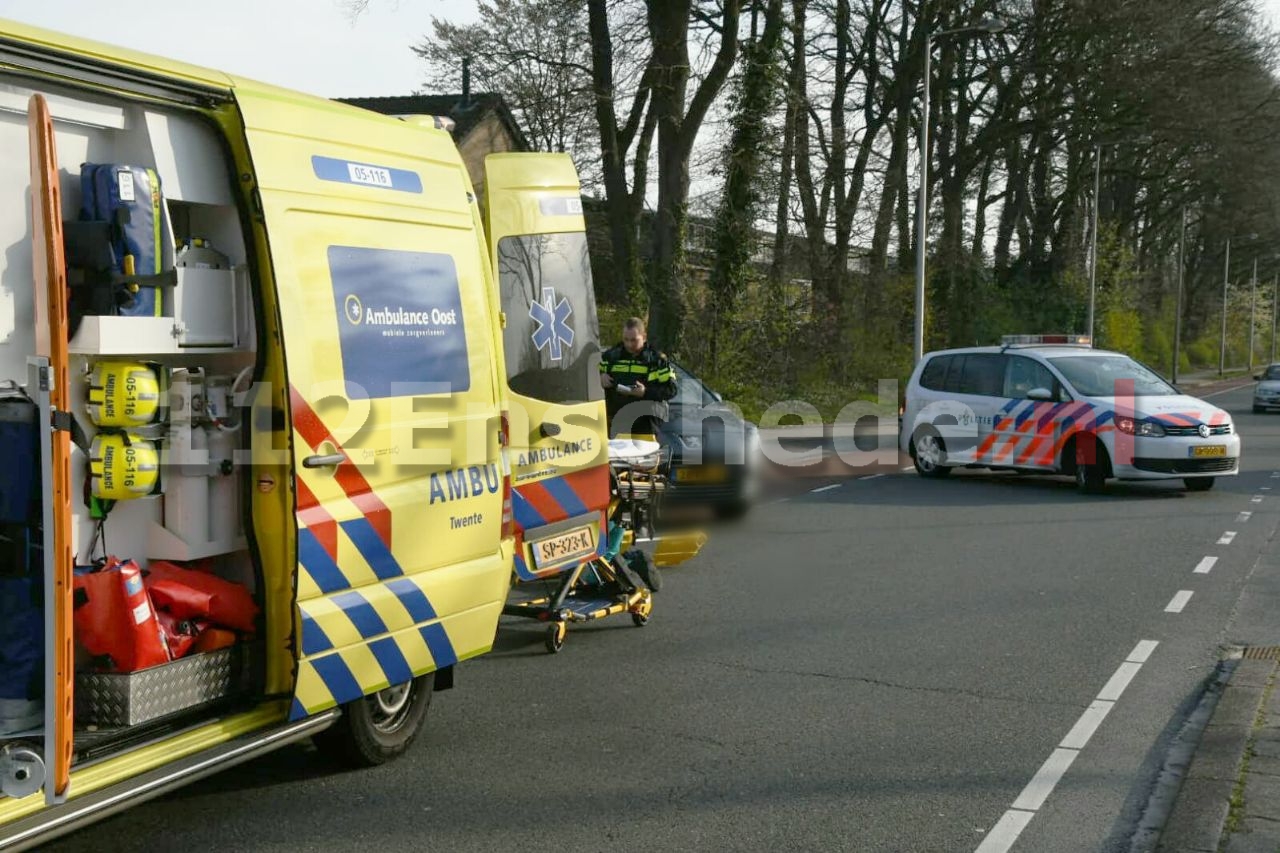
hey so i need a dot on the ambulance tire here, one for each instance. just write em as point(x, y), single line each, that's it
point(378, 728)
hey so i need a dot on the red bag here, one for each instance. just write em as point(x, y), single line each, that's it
point(199, 595)
point(179, 635)
point(114, 617)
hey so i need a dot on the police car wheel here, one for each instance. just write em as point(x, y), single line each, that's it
point(1091, 478)
point(929, 453)
point(1199, 484)
point(377, 728)
point(1257, 410)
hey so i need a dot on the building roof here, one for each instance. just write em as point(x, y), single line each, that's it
point(466, 111)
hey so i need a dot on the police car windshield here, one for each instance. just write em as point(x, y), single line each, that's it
point(1109, 375)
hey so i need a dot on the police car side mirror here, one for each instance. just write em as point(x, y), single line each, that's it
point(1042, 394)
point(715, 395)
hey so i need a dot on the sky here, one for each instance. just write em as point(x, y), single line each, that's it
point(309, 45)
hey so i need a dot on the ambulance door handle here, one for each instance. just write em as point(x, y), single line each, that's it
point(326, 461)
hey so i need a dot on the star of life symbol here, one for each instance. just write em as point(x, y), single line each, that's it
point(553, 327)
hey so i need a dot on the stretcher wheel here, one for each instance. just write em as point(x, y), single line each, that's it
point(555, 636)
point(640, 615)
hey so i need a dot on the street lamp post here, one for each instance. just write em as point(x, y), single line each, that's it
point(986, 25)
point(1275, 279)
point(1253, 298)
point(1226, 273)
point(1093, 235)
point(1177, 314)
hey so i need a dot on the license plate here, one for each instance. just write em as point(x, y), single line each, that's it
point(575, 544)
point(701, 474)
point(1209, 450)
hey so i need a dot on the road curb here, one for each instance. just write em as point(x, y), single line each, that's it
point(1207, 762)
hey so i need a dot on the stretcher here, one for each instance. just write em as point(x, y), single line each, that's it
point(623, 577)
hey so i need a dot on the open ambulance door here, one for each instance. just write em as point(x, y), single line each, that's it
point(51, 345)
point(559, 431)
point(389, 341)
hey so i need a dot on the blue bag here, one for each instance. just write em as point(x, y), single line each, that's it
point(21, 637)
point(129, 200)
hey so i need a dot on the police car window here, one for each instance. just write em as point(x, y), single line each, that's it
point(954, 369)
point(983, 374)
point(551, 340)
point(1025, 374)
point(689, 391)
point(935, 373)
point(1097, 376)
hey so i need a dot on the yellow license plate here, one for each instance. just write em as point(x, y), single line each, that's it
point(573, 545)
point(1210, 450)
point(702, 474)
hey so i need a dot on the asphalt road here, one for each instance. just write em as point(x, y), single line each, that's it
point(885, 665)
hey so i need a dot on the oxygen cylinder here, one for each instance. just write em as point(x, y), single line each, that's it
point(224, 502)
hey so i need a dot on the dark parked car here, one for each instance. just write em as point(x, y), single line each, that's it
point(714, 452)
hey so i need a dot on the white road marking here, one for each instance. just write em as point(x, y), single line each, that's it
point(1256, 499)
point(1119, 681)
point(1141, 652)
point(1264, 488)
point(1205, 566)
point(1046, 778)
point(871, 476)
point(1226, 538)
point(1244, 516)
point(782, 500)
point(1178, 602)
point(1004, 833)
point(1086, 725)
point(824, 488)
point(1275, 475)
point(912, 468)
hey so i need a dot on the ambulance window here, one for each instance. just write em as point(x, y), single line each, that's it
point(983, 374)
point(1025, 374)
point(935, 373)
point(551, 339)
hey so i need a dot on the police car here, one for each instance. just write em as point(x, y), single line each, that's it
point(1053, 404)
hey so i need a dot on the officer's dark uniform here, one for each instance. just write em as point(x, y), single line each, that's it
point(642, 414)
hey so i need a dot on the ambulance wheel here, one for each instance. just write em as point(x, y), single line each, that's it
point(377, 728)
point(1198, 484)
point(555, 637)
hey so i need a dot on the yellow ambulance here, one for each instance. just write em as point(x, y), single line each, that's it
point(251, 351)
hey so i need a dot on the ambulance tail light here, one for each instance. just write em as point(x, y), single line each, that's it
point(504, 445)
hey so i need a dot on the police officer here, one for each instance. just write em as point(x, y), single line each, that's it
point(632, 372)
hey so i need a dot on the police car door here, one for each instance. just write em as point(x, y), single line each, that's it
point(559, 432)
point(1025, 429)
point(978, 390)
point(390, 342)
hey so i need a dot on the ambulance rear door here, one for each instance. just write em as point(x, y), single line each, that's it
point(389, 347)
point(559, 432)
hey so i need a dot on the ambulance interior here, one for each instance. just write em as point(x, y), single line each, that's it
point(160, 483)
